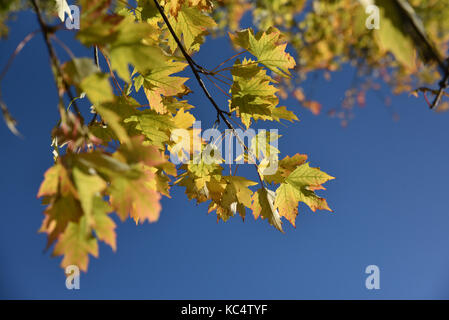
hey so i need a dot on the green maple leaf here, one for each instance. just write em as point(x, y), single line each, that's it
point(190, 24)
point(103, 225)
point(285, 167)
point(300, 186)
point(76, 243)
point(88, 186)
point(97, 88)
point(254, 95)
point(156, 127)
point(269, 48)
point(160, 82)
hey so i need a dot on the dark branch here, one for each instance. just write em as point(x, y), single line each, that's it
point(47, 31)
point(197, 69)
point(194, 66)
point(443, 86)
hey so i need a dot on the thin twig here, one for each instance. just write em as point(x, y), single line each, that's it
point(223, 76)
point(218, 87)
point(116, 83)
point(63, 46)
point(19, 48)
point(227, 60)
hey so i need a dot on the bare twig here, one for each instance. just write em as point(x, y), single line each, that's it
point(114, 78)
point(63, 46)
point(227, 60)
point(19, 48)
point(218, 87)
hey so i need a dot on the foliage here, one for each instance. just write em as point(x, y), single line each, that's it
point(328, 35)
point(118, 161)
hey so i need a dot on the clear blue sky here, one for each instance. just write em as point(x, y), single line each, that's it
point(390, 200)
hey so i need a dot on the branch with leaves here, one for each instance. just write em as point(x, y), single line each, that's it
point(120, 161)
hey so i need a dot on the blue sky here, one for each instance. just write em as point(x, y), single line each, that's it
point(390, 202)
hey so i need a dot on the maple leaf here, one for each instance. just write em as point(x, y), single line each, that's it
point(300, 186)
point(56, 181)
point(192, 191)
point(156, 127)
point(261, 145)
point(97, 88)
point(139, 55)
point(263, 206)
point(102, 224)
point(281, 113)
point(114, 121)
point(269, 48)
point(232, 196)
point(138, 152)
point(58, 215)
point(253, 97)
point(135, 197)
point(78, 69)
point(174, 6)
point(51, 181)
point(192, 25)
point(129, 42)
point(76, 243)
point(159, 82)
point(88, 186)
point(285, 167)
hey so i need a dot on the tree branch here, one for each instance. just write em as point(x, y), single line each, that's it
point(46, 31)
point(444, 83)
point(196, 69)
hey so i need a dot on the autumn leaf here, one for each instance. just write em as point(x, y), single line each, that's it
point(136, 198)
point(268, 47)
point(159, 81)
point(263, 206)
point(300, 186)
point(191, 24)
point(89, 186)
point(233, 198)
point(156, 127)
point(254, 95)
point(58, 215)
point(75, 244)
point(102, 224)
